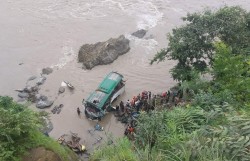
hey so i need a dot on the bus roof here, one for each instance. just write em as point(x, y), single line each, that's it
point(105, 89)
point(110, 82)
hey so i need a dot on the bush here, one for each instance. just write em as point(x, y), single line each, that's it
point(19, 132)
point(121, 150)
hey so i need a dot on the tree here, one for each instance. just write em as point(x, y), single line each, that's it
point(192, 44)
point(231, 72)
point(17, 125)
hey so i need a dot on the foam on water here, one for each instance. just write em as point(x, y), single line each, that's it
point(145, 12)
point(68, 56)
point(52, 9)
point(148, 44)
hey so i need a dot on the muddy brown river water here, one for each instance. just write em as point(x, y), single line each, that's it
point(49, 33)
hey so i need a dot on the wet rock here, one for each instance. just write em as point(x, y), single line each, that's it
point(23, 95)
point(28, 89)
point(61, 90)
point(103, 53)
point(57, 109)
point(43, 104)
point(35, 89)
point(42, 101)
point(38, 96)
point(43, 98)
point(32, 97)
point(21, 100)
point(41, 80)
point(32, 78)
point(47, 125)
point(140, 33)
point(47, 70)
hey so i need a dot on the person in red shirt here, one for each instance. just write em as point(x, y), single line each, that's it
point(164, 94)
point(131, 129)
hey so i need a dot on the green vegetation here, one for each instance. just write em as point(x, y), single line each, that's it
point(192, 45)
point(214, 122)
point(114, 153)
point(231, 72)
point(19, 132)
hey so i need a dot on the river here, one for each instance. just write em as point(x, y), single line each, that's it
point(49, 33)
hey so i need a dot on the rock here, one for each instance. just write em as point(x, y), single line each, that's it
point(47, 70)
point(47, 125)
point(35, 89)
point(43, 104)
point(61, 90)
point(32, 78)
point(32, 97)
point(41, 80)
point(140, 33)
point(42, 101)
point(28, 89)
point(23, 95)
point(21, 100)
point(37, 97)
point(103, 53)
point(43, 98)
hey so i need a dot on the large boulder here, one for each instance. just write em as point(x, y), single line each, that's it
point(103, 53)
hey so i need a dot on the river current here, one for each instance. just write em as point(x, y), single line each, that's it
point(49, 33)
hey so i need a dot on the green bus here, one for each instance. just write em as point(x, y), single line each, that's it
point(99, 101)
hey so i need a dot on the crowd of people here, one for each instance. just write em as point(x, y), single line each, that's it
point(145, 101)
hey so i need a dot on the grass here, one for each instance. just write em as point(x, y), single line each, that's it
point(121, 150)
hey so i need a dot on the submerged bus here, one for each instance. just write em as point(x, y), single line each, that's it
point(99, 101)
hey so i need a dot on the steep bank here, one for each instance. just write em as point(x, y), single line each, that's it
point(41, 154)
